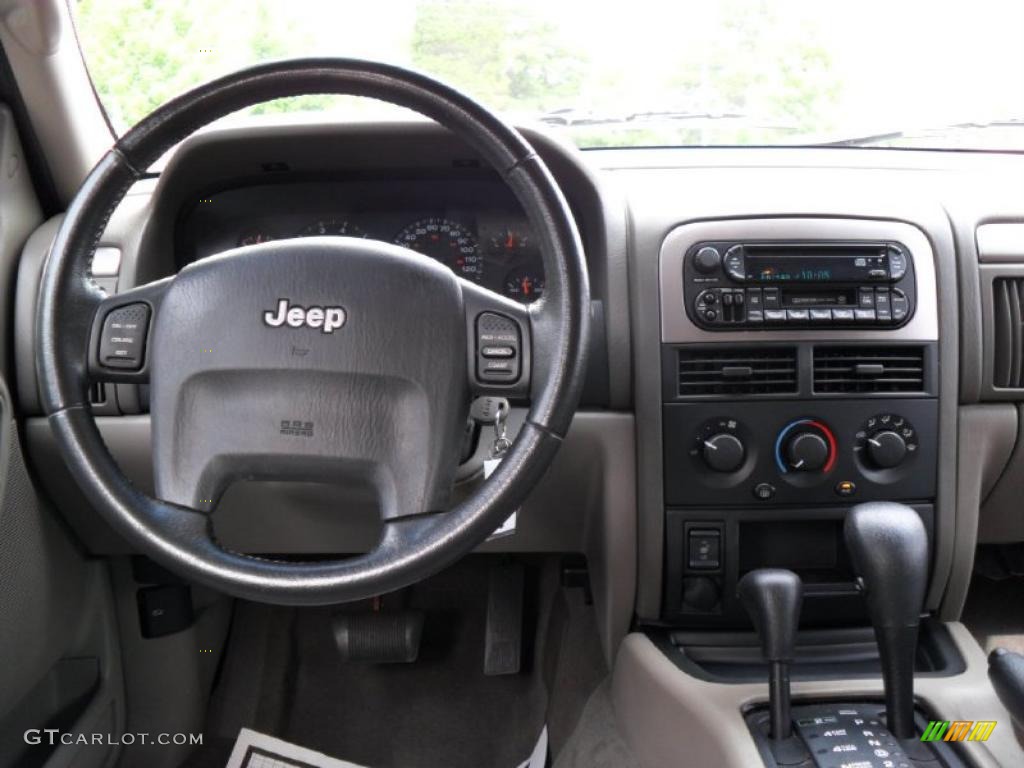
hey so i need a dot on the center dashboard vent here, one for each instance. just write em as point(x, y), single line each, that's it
point(762, 371)
point(869, 369)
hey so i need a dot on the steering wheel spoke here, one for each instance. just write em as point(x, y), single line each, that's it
point(121, 328)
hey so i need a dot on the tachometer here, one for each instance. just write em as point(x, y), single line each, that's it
point(332, 227)
point(446, 241)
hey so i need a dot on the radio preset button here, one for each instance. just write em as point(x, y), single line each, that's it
point(755, 316)
point(821, 316)
point(864, 315)
point(775, 315)
point(842, 315)
point(798, 315)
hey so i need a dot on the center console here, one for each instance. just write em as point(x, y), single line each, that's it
point(799, 371)
point(799, 380)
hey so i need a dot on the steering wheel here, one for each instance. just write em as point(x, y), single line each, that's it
point(321, 359)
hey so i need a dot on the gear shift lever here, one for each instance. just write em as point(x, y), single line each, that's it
point(772, 596)
point(889, 547)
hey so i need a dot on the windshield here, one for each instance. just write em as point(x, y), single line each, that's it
point(636, 73)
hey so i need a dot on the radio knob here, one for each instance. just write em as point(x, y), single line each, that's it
point(724, 452)
point(886, 449)
point(707, 260)
point(807, 452)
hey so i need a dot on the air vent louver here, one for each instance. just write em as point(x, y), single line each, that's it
point(737, 371)
point(1008, 341)
point(868, 369)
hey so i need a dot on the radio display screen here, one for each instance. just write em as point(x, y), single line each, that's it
point(814, 269)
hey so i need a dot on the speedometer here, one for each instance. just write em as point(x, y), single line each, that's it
point(446, 241)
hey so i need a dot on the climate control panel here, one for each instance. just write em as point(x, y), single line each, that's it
point(870, 449)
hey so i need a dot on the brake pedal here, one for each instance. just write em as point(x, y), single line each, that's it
point(503, 649)
point(378, 638)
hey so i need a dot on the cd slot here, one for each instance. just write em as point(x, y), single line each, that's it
point(798, 299)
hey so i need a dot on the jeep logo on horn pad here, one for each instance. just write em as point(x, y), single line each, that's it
point(327, 319)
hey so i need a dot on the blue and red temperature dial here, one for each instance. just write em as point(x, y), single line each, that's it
point(805, 445)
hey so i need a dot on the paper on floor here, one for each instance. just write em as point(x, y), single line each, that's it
point(257, 750)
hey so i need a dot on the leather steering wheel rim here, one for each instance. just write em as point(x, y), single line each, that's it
point(411, 548)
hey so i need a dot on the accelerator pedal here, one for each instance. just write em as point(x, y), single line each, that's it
point(379, 638)
point(503, 649)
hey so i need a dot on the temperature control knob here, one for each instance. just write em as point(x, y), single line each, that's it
point(807, 452)
point(805, 446)
point(886, 449)
point(723, 452)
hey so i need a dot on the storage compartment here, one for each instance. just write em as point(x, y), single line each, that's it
point(700, 590)
point(814, 549)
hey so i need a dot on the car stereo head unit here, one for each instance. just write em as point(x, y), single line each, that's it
point(813, 284)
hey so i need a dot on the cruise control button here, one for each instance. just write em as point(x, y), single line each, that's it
point(498, 345)
point(498, 352)
point(503, 367)
point(123, 338)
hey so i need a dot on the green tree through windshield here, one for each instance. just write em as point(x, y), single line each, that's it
point(636, 73)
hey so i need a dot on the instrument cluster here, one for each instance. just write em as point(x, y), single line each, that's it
point(473, 228)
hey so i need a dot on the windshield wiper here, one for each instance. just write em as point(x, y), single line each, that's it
point(917, 133)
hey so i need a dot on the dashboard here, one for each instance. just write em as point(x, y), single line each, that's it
point(732, 396)
point(474, 227)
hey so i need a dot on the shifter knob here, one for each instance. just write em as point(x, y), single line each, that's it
point(772, 597)
point(889, 547)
